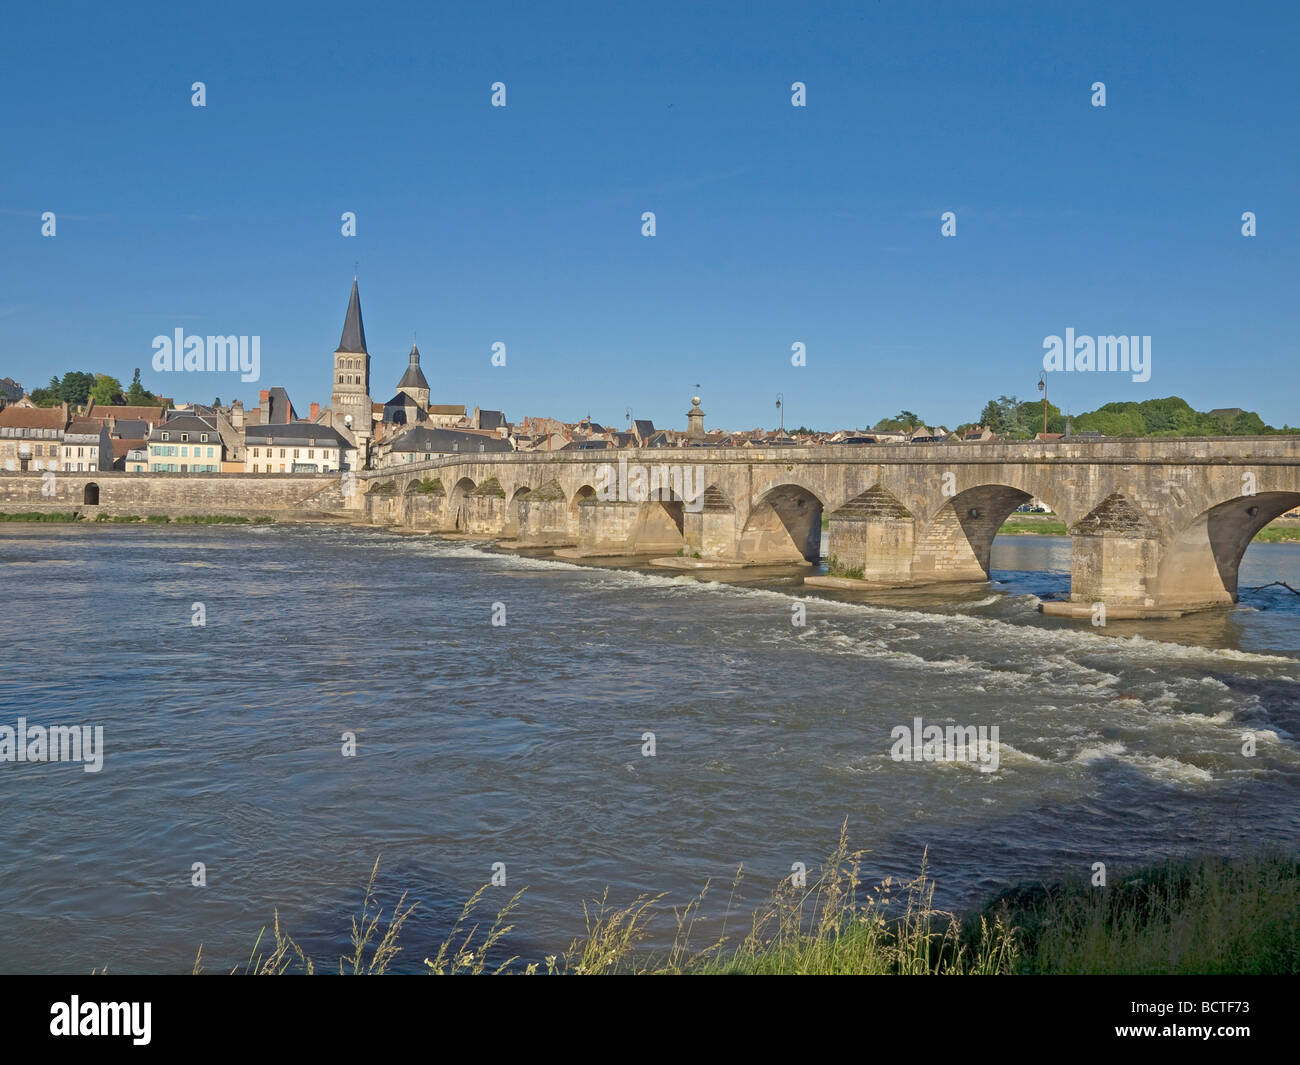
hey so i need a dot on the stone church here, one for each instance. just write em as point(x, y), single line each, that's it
point(352, 411)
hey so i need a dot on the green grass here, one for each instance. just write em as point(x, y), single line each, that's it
point(1200, 915)
point(1205, 915)
point(1278, 534)
point(836, 568)
point(1013, 527)
point(40, 515)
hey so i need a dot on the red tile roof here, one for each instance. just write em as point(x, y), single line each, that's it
point(33, 418)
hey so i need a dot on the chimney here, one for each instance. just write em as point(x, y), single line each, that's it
point(315, 411)
point(264, 403)
point(237, 414)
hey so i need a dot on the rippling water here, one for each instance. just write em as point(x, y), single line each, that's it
point(522, 743)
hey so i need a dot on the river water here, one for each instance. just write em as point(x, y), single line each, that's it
point(521, 743)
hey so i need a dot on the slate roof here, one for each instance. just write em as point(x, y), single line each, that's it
point(279, 408)
point(184, 423)
point(311, 434)
point(439, 441)
point(130, 428)
point(414, 376)
point(354, 330)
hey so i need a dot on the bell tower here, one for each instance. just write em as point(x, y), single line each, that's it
point(350, 403)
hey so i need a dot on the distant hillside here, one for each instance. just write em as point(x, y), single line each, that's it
point(1171, 416)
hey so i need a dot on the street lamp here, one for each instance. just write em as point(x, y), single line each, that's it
point(1042, 387)
point(780, 405)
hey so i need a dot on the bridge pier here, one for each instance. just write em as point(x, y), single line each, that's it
point(710, 531)
point(544, 520)
point(871, 538)
point(485, 510)
point(605, 528)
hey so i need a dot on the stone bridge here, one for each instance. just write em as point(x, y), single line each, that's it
point(1157, 526)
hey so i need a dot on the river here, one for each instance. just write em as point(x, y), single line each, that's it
point(521, 743)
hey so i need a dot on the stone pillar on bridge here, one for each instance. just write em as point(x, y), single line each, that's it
point(873, 535)
point(605, 527)
point(711, 530)
point(1114, 555)
point(543, 518)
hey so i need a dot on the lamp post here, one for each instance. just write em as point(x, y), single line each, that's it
point(780, 405)
point(1042, 387)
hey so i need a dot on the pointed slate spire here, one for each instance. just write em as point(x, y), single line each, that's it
point(354, 332)
point(414, 376)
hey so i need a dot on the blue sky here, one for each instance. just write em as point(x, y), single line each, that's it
point(775, 224)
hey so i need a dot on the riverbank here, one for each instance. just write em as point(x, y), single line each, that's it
point(1204, 915)
point(1281, 531)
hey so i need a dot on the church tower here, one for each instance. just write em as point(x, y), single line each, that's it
point(350, 404)
point(413, 382)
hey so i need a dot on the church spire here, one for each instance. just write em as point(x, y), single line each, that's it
point(354, 332)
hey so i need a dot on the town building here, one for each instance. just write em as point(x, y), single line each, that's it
point(424, 442)
point(186, 443)
point(87, 446)
point(31, 437)
point(297, 447)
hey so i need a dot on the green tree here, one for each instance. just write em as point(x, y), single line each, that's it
point(106, 390)
point(905, 419)
point(137, 394)
point(75, 387)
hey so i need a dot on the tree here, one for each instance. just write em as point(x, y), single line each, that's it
point(137, 394)
point(106, 390)
point(75, 387)
point(905, 419)
point(993, 416)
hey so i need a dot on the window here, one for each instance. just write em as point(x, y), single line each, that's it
point(166, 436)
point(185, 452)
point(295, 452)
point(254, 467)
point(211, 455)
point(203, 438)
point(311, 453)
point(281, 456)
point(255, 455)
point(184, 437)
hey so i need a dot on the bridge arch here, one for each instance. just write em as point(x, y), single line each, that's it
point(458, 501)
point(784, 525)
point(1200, 565)
point(518, 498)
point(956, 542)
